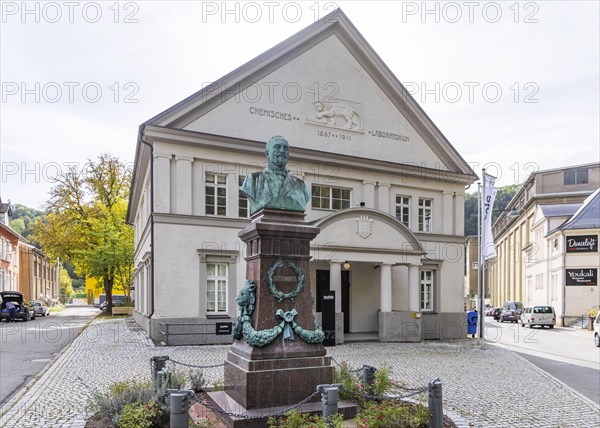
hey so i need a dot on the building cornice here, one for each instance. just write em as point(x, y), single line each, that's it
point(155, 134)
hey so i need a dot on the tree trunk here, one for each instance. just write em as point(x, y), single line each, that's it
point(108, 286)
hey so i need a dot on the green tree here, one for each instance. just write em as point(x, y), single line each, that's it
point(85, 223)
point(503, 197)
point(22, 220)
point(66, 288)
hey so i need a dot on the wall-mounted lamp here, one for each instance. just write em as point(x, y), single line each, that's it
point(346, 265)
point(362, 204)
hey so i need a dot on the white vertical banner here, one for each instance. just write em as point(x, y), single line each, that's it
point(489, 195)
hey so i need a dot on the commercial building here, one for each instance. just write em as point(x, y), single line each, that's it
point(387, 194)
point(534, 258)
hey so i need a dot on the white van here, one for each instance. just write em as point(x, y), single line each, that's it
point(538, 315)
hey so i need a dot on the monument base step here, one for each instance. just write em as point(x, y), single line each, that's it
point(257, 418)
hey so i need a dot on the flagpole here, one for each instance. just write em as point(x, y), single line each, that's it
point(481, 261)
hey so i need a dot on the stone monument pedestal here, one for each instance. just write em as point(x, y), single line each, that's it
point(287, 369)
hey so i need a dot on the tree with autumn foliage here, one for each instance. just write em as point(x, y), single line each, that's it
point(85, 223)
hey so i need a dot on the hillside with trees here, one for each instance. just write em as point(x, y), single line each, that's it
point(503, 196)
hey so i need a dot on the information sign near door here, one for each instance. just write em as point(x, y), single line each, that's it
point(328, 317)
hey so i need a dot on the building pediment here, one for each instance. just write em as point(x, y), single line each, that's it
point(324, 89)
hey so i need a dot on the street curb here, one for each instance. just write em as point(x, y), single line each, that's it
point(8, 406)
point(579, 395)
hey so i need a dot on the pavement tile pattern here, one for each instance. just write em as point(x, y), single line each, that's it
point(483, 385)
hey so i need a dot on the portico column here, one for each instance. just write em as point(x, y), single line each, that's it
point(413, 288)
point(335, 283)
point(385, 286)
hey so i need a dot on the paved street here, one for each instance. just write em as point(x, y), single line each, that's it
point(566, 353)
point(484, 385)
point(27, 347)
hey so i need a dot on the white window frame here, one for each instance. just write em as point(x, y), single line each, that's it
point(212, 187)
point(217, 278)
point(426, 290)
point(243, 202)
point(404, 204)
point(330, 199)
point(209, 255)
point(425, 213)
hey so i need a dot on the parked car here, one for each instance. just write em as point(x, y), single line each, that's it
point(24, 309)
point(496, 313)
point(597, 330)
point(39, 308)
point(489, 312)
point(509, 315)
point(514, 306)
point(538, 315)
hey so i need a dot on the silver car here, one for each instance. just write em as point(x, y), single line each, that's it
point(538, 315)
point(39, 308)
point(597, 330)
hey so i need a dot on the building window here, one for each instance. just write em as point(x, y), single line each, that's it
point(243, 210)
point(425, 214)
point(403, 210)
point(216, 194)
point(426, 294)
point(216, 288)
point(331, 198)
point(576, 176)
point(539, 281)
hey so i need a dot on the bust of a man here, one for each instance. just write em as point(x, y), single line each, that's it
point(274, 186)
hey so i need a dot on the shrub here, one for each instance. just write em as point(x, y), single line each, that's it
point(218, 385)
point(197, 380)
point(140, 415)
point(348, 380)
point(294, 419)
point(120, 394)
point(392, 414)
point(177, 379)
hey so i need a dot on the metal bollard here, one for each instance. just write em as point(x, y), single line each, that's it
point(179, 407)
point(330, 397)
point(369, 378)
point(436, 410)
point(157, 363)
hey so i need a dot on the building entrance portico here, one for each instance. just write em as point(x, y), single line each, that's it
point(381, 259)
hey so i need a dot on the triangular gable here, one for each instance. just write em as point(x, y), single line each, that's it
point(366, 112)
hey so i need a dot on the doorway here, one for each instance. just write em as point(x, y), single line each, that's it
point(323, 285)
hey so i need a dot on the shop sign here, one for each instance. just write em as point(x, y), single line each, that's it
point(582, 276)
point(582, 243)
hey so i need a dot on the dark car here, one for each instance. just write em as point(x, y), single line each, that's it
point(496, 313)
point(24, 311)
point(509, 315)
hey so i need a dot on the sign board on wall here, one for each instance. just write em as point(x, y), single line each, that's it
point(582, 276)
point(582, 243)
point(328, 317)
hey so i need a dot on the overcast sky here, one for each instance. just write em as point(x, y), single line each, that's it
point(513, 86)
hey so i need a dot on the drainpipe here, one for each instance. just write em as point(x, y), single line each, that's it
point(151, 221)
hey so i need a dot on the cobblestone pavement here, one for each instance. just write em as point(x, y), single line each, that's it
point(484, 385)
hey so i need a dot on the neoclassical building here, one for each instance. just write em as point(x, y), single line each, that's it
point(387, 193)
